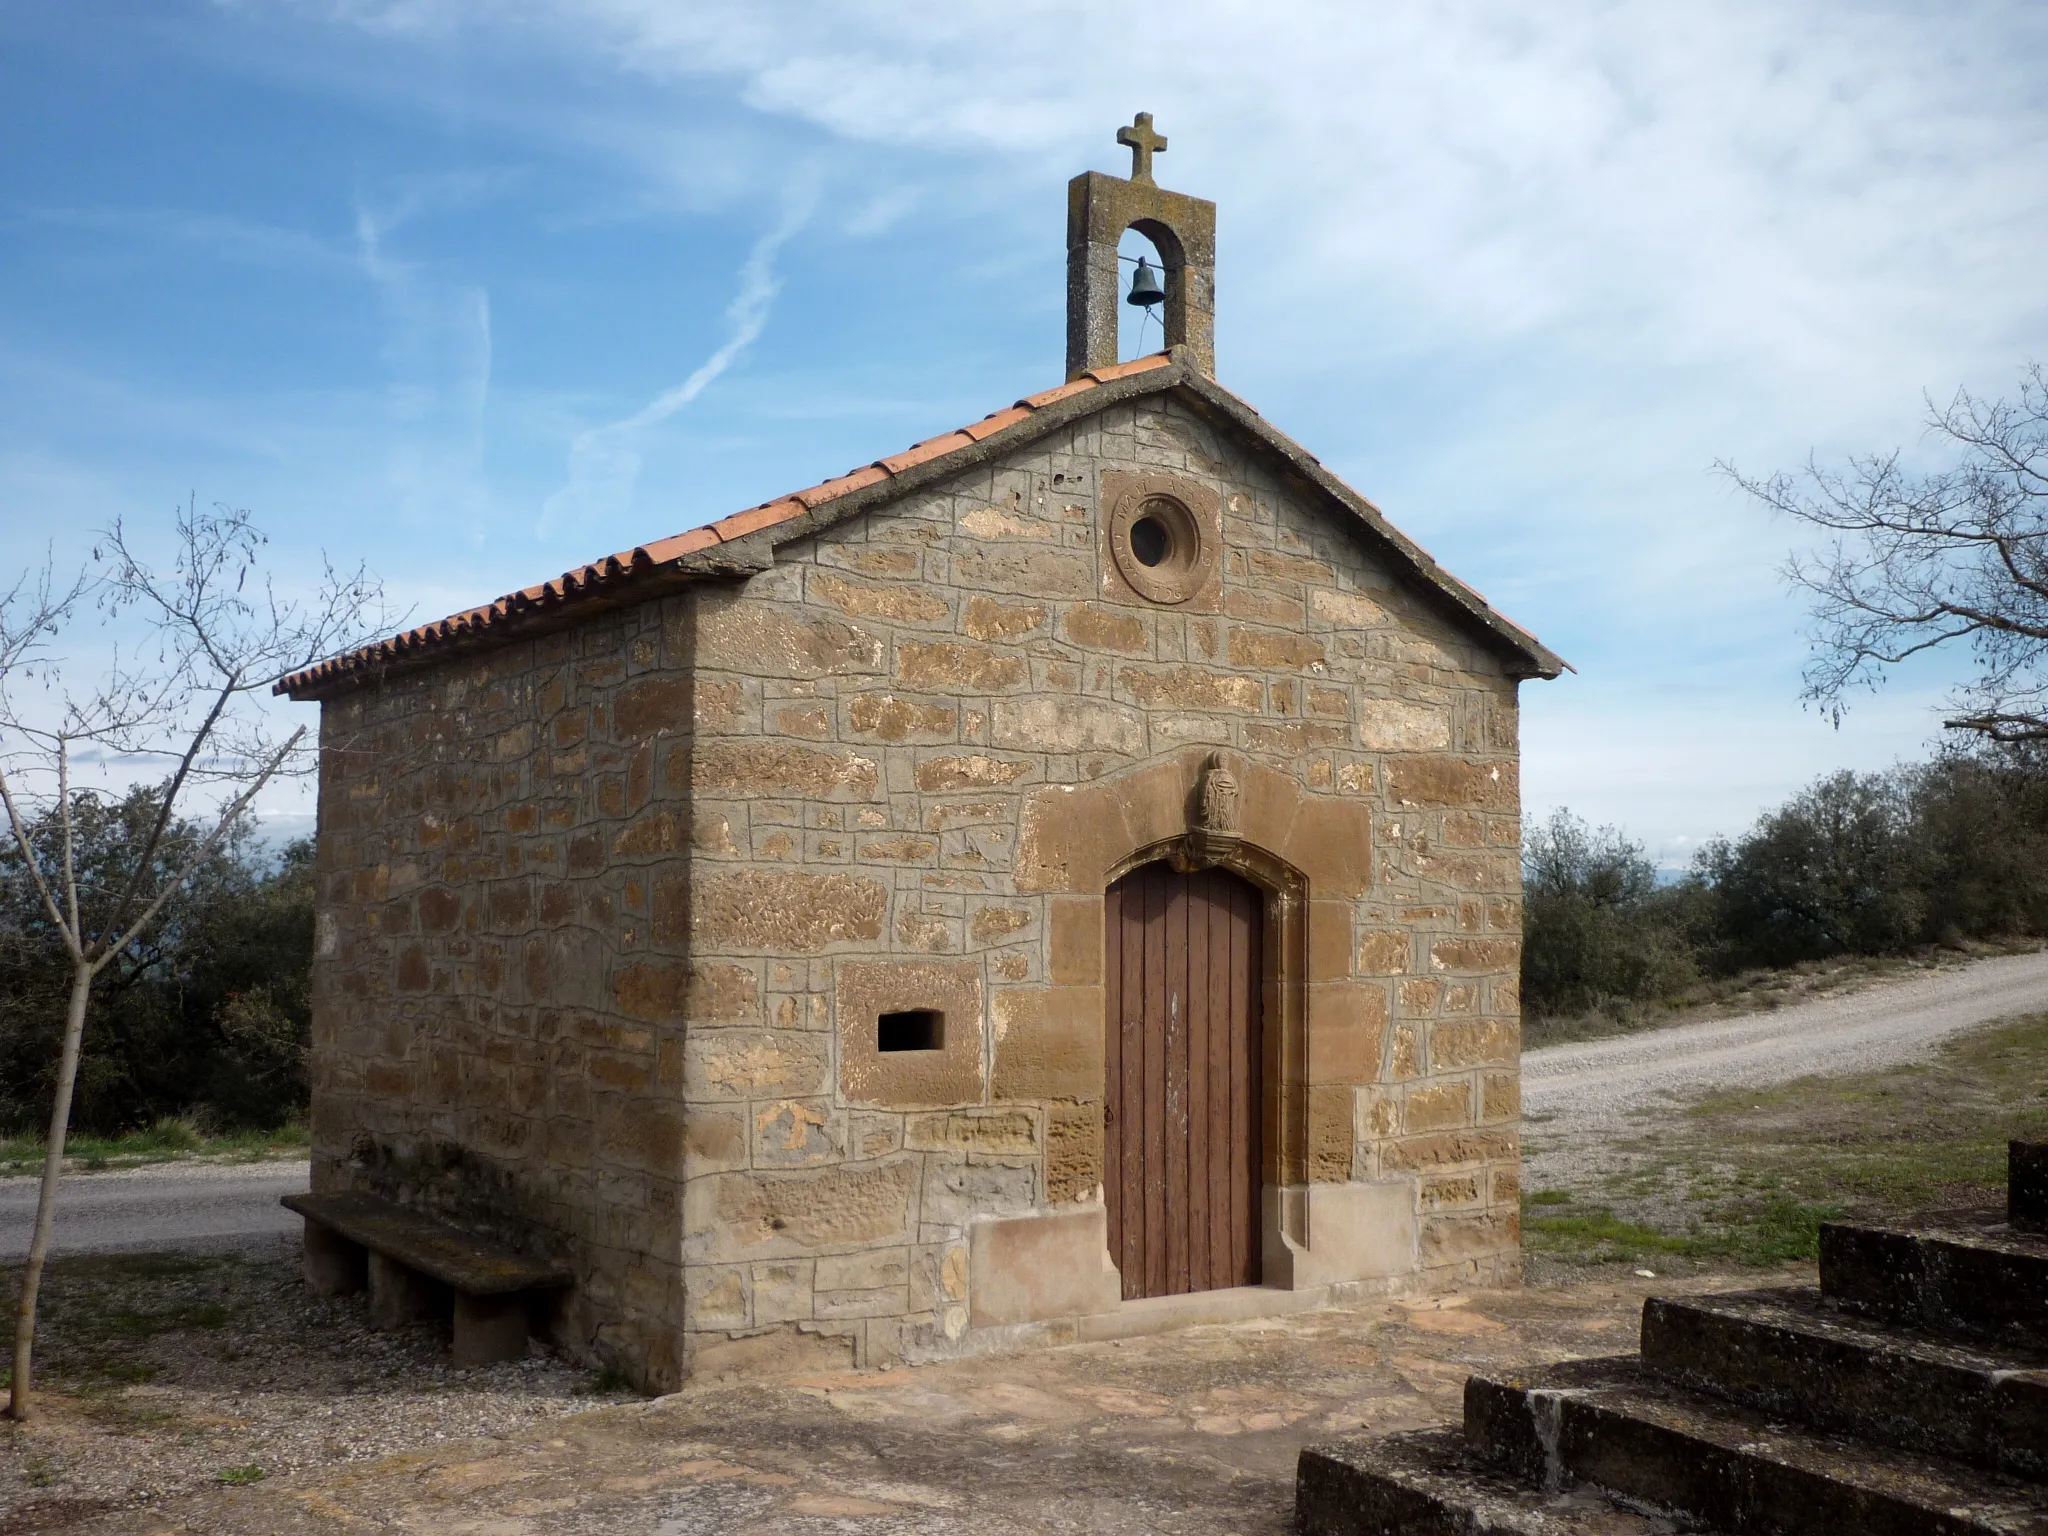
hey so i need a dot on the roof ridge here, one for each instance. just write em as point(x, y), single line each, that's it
point(593, 581)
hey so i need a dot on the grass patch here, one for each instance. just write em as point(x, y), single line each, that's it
point(1748, 1177)
point(239, 1477)
point(167, 1141)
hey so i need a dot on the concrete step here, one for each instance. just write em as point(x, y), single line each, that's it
point(1425, 1483)
point(1610, 1423)
point(1974, 1282)
point(2026, 1185)
point(1790, 1355)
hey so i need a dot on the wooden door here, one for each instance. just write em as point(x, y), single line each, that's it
point(1181, 1163)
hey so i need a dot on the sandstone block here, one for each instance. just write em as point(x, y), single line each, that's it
point(1442, 1106)
point(797, 1133)
point(955, 1193)
point(1049, 1043)
point(775, 1214)
point(986, 619)
point(1076, 943)
point(1449, 1149)
point(1035, 1268)
point(1330, 1138)
point(1073, 1151)
point(1346, 610)
point(1004, 1133)
point(716, 1298)
point(1449, 781)
point(754, 1063)
point(782, 1291)
point(1455, 1044)
point(1105, 629)
point(972, 771)
point(1398, 725)
point(1329, 940)
point(1501, 1097)
point(789, 1350)
point(1267, 650)
point(1461, 1239)
point(905, 604)
point(1191, 688)
point(949, 1074)
point(714, 1139)
point(1347, 1032)
point(940, 665)
point(887, 718)
point(877, 1269)
point(738, 635)
point(1065, 724)
point(742, 767)
point(1028, 573)
point(1383, 953)
point(995, 925)
point(1460, 954)
point(1330, 841)
point(785, 912)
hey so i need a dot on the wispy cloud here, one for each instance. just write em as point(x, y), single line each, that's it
point(604, 462)
point(437, 353)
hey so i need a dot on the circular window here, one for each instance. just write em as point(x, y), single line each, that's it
point(1158, 547)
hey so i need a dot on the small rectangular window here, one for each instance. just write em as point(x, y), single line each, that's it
point(914, 1029)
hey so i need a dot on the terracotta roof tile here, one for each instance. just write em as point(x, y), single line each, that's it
point(924, 452)
point(677, 545)
point(993, 423)
point(845, 485)
point(767, 515)
point(611, 571)
point(1045, 397)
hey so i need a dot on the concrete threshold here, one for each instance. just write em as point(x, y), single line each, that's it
point(1164, 1314)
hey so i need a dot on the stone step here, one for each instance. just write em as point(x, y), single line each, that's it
point(1425, 1483)
point(1789, 1354)
point(1611, 1423)
point(2026, 1185)
point(1974, 1282)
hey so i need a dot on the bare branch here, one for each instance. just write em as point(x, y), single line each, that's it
point(1914, 562)
point(231, 814)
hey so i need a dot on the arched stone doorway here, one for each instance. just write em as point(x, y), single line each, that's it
point(1185, 1000)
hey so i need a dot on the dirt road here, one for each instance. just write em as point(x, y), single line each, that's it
point(1578, 1098)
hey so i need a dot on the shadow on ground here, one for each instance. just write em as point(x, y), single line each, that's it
point(1196, 1431)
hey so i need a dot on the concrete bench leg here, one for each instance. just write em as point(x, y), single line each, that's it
point(489, 1329)
point(334, 1265)
point(399, 1295)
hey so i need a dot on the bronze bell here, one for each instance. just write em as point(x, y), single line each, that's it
point(1145, 289)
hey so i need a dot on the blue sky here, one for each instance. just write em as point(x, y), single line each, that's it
point(474, 292)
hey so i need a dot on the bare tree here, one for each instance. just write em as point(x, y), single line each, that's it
point(215, 636)
point(1916, 561)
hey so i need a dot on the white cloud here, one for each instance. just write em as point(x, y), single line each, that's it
point(604, 462)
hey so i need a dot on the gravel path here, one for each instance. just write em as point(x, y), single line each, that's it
point(1576, 1099)
point(166, 1205)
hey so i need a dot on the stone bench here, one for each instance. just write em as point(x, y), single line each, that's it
point(406, 1258)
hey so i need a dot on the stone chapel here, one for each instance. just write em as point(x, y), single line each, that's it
point(1058, 879)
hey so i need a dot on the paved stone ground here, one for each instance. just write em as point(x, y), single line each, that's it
point(1190, 1432)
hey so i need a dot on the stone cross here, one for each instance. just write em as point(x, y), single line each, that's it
point(1143, 144)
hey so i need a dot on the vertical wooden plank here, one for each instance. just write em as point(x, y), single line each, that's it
point(1131, 1105)
point(1222, 984)
point(1201, 919)
point(1243, 968)
point(1174, 1174)
point(1112, 1067)
point(1155, 1079)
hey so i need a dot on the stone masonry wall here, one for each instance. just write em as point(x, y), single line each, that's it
point(604, 914)
point(886, 723)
